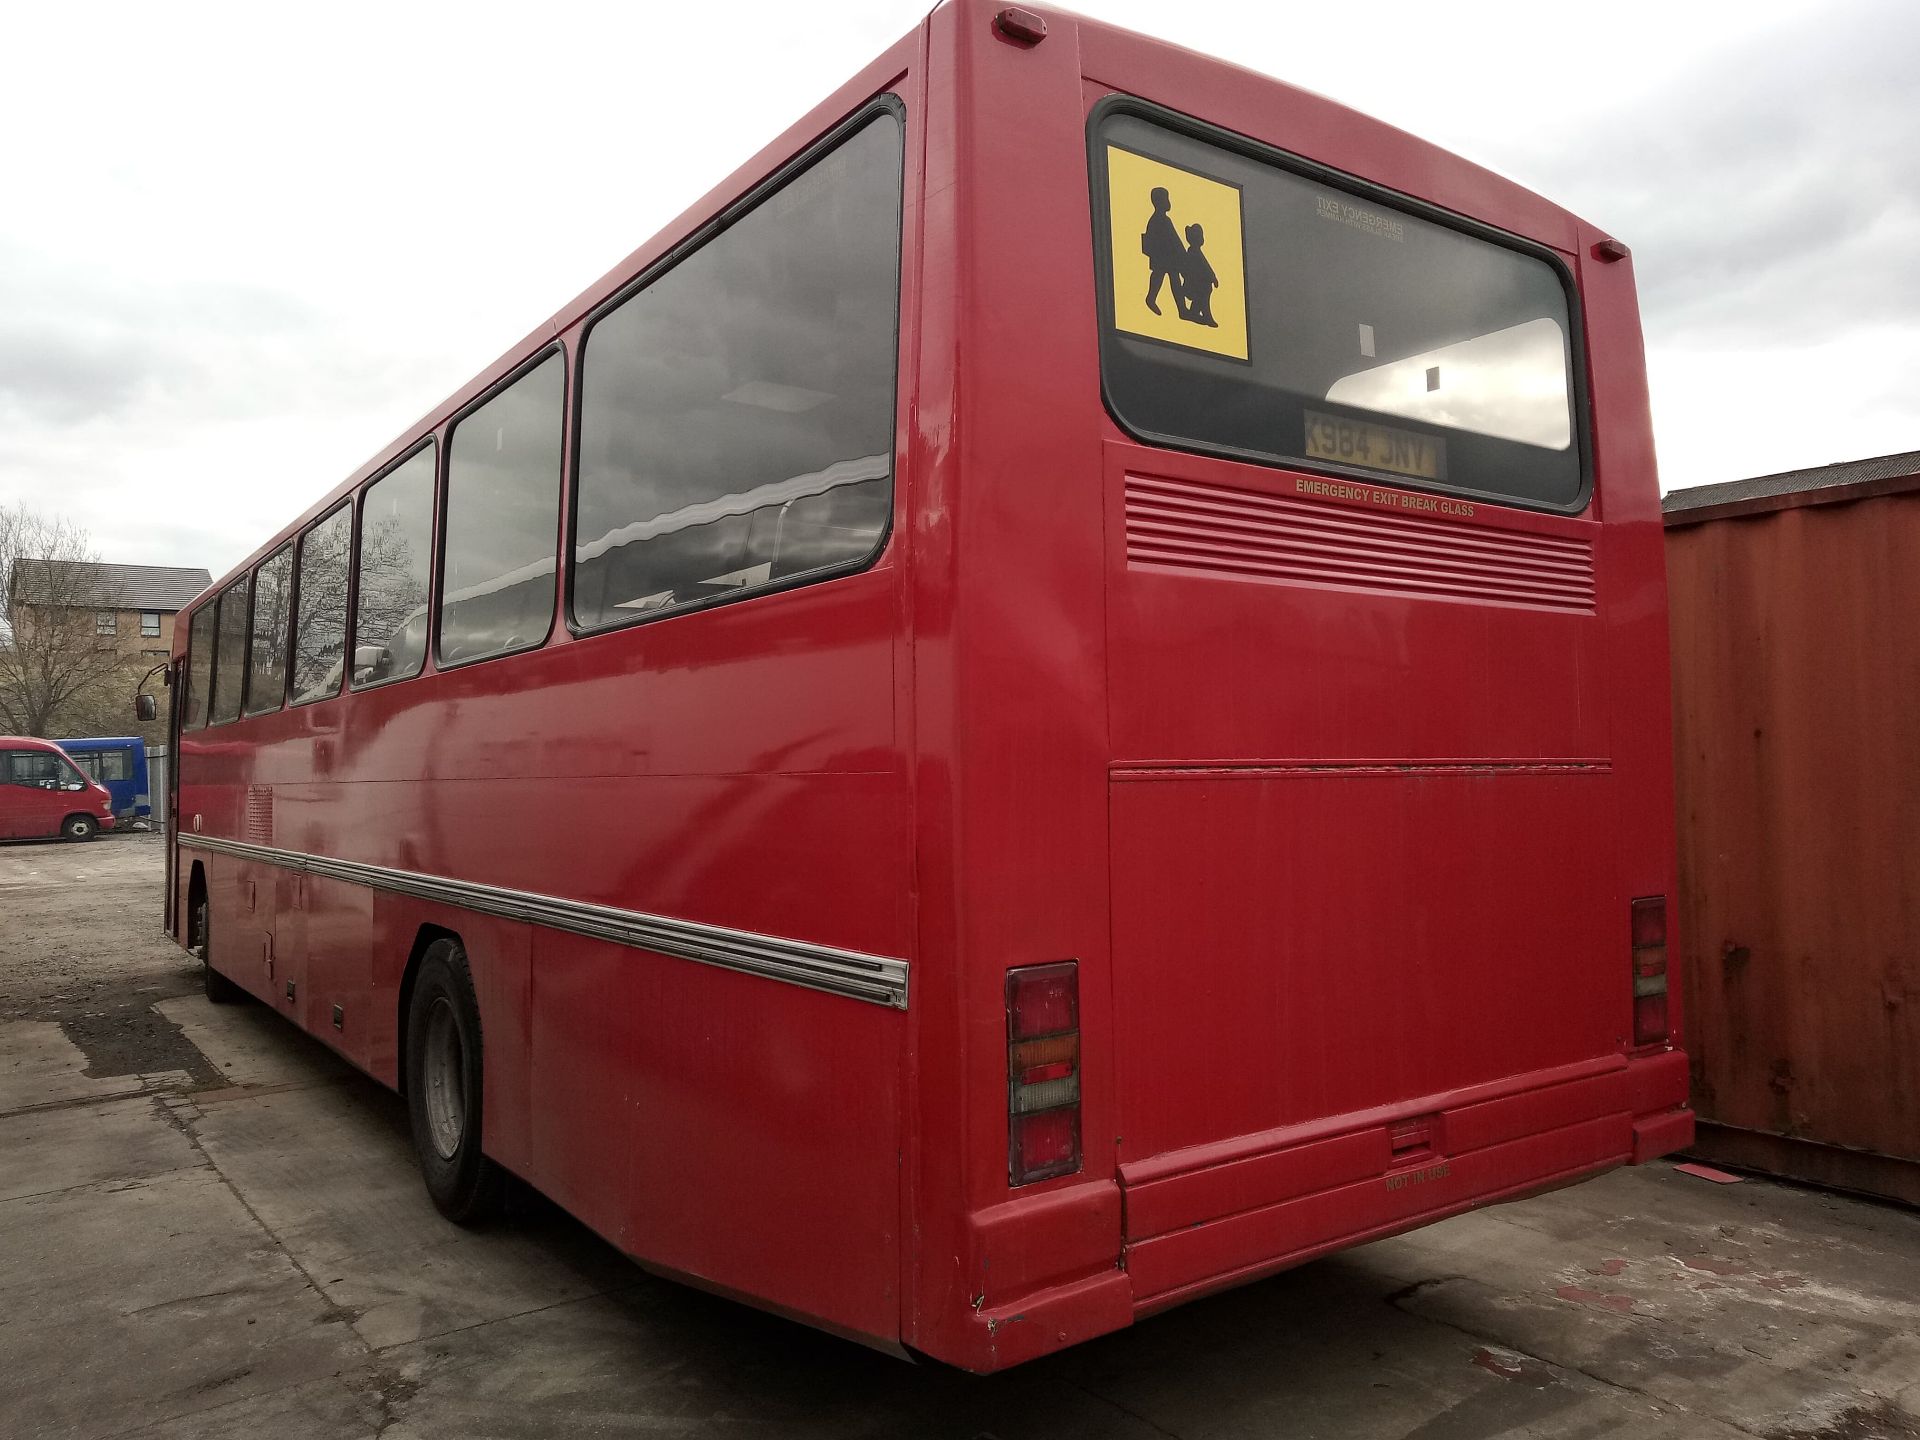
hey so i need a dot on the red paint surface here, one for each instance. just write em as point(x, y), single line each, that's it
point(1330, 857)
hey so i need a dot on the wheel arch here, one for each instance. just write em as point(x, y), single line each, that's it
point(423, 939)
point(196, 894)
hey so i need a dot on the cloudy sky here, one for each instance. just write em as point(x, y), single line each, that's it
point(243, 246)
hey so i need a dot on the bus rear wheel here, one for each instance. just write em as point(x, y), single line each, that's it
point(444, 1092)
point(79, 827)
point(220, 990)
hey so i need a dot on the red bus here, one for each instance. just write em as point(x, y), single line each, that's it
point(1055, 700)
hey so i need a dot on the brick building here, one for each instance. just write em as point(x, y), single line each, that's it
point(132, 605)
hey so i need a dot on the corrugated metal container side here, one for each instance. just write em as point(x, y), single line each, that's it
point(1796, 666)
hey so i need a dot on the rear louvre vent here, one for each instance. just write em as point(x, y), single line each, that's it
point(1240, 534)
point(260, 814)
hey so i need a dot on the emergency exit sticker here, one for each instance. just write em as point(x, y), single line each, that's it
point(1179, 274)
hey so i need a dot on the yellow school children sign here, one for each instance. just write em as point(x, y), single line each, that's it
point(1179, 272)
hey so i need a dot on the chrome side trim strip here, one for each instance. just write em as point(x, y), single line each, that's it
point(877, 979)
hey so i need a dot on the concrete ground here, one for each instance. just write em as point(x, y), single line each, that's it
point(209, 1227)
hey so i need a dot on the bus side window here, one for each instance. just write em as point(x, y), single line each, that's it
point(199, 666)
point(736, 416)
point(394, 559)
point(267, 665)
point(503, 514)
point(320, 626)
point(230, 653)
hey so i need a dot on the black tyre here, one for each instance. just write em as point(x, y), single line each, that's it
point(79, 827)
point(220, 990)
point(444, 1088)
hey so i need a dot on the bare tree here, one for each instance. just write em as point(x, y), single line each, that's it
point(57, 674)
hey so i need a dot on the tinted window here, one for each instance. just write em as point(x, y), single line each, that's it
point(736, 425)
point(104, 764)
point(41, 768)
point(199, 666)
point(396, 549)
point(320, 628)
point(503, 509)
point(267, 669)
point(230, 652)
point(1302, 322)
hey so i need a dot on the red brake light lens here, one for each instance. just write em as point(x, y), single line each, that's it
point(1043, 1000)
point(1046, 1144)
point(1650, 922)
point(1650, 1019)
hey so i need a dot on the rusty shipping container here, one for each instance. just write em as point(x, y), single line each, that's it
point(1795, 613)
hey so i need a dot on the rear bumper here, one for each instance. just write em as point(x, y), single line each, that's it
point(1657, 1135)
point(1192, 1228)
point(1222, 1215)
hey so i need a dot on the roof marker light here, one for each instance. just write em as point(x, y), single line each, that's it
point(1020, 25)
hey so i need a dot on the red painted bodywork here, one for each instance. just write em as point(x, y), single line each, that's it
point(1331, 857)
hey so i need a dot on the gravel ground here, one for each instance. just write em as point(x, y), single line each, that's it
point(81, 945)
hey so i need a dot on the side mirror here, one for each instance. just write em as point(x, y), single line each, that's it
point(145, 707)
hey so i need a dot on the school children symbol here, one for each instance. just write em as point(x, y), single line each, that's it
point(1179, 272)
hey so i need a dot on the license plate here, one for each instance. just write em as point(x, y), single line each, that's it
point(1377, 447)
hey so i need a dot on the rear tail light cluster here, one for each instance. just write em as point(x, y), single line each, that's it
point(1650, 971)
point(1043, 1072)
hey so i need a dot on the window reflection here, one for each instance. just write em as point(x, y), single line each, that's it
point(396, 549)
point(199, 665)
point(503, 507)
point(267, 669)
point(737, 414)
point(230, 652)
point(1511, 384)
point(320, 628)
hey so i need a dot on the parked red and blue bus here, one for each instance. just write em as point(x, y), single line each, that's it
point(1054, 700)
point(118, 763)
point(44, 795)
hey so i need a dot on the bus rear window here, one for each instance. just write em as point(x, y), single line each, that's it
point(1253, 310)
